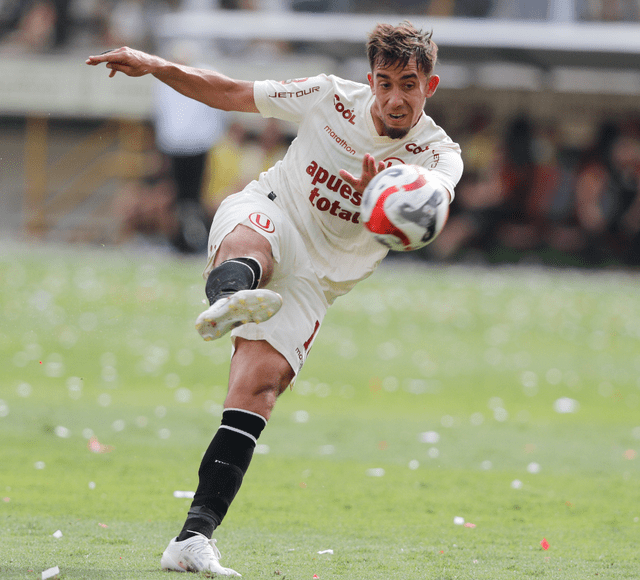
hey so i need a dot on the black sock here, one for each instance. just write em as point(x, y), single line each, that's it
point(222, 470)
point(231, 276)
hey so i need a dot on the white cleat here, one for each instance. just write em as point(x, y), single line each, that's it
point(239, 308)
point(195, 554)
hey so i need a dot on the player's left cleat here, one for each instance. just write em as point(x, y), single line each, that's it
point(195, 554)
point(239, 308)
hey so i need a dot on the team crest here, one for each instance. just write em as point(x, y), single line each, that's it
point(263, 222)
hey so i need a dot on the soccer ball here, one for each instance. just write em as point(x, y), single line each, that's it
point(404, 208)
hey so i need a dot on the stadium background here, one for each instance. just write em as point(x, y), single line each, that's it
point(541, 95)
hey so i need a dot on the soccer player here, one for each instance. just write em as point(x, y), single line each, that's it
point(283, 249)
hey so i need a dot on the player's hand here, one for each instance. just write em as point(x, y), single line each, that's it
point(133, 63)
point(369, 170)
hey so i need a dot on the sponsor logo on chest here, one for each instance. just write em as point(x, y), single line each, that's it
point(321, 198)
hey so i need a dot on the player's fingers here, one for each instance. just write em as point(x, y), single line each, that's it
point(350, 179)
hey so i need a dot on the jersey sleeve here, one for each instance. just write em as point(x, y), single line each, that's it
point(446, 164)
point(290, 100)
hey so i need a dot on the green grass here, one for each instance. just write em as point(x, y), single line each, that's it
point(441, 380)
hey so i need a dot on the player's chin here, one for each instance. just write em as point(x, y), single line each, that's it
point(396, 132)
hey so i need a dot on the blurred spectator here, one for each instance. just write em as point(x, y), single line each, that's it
point(37, 24)
point(185, 132)
point(607, 195)
point(608, 10)
point(239, 158)
point(494, 199)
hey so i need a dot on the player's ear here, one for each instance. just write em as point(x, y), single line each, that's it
point(370, 79)
point(432, 85)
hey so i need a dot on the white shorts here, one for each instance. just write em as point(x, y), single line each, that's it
point(293, 329)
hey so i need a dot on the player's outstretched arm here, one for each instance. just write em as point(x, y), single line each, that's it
point(369, 170)
point(208, 87)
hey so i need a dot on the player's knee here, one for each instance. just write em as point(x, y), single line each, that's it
point(245, 242)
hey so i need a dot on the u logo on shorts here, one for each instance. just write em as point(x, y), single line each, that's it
point(263, 222)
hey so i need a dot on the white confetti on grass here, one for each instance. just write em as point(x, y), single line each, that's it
point(24, 390)
point(57, 534)
point(262, 449)
point(500, 414)
point(62, 432)
point(183, 395)
point(429, 437)
point(184, 494)
point(566, 405)
point(516, 484)
point(300, 417)
point(4, 409)
point(458, 521)
point(104, 400)
point(414, 464)
point(50, 573)
point(533, 467)
point(376, 472)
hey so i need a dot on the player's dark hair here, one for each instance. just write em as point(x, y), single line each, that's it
point(394, 46)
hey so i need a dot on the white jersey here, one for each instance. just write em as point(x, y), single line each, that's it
point(335, 131)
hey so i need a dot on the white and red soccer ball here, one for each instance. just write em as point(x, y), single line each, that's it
point(404, 208)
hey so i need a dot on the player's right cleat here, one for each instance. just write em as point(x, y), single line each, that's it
point(240, 308)
point(195, 554)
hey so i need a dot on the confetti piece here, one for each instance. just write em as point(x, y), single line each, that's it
point(429, 437)
point(630, 454)
point(50, 573)
point(184, 494)
point(458, 521)
point(469, 525)
point(544, 544)
point(375, 472)
point(316, 576)
point(57, 534)
point(96, 447)
point(103, 525)
point(516, 484)
point(329, 551)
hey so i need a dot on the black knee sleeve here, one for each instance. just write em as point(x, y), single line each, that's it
point(233, 275)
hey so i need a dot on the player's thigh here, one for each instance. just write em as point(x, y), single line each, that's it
point(263, 226)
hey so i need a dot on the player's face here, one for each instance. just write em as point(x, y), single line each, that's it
point(400, 94)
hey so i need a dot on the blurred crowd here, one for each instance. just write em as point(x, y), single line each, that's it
point(42, 25)
point(524, 196)
point(169, 204)
point(527, 195)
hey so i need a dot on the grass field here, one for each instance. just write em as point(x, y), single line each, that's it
point(508, 397)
